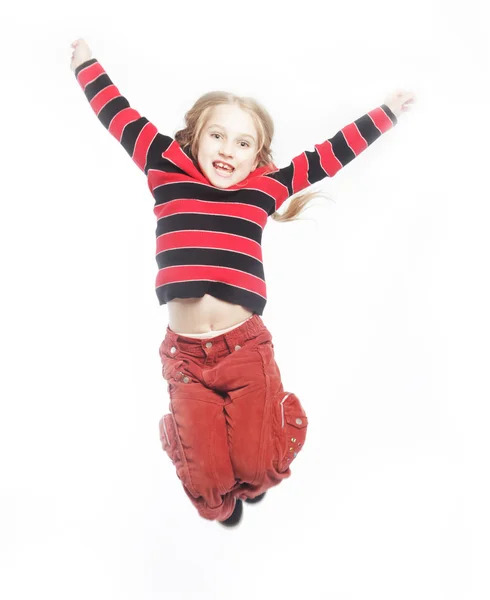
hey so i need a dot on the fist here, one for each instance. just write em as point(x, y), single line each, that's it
point(81, 53)
point(400, 102)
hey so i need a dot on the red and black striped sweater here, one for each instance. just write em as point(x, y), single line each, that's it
point(208, 240)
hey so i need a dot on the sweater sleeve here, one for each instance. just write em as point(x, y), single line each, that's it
point(136, 134)
point(330, 156)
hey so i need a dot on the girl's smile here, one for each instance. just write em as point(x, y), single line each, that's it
point(228, 146)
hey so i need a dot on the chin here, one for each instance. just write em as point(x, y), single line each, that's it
point(221, 183)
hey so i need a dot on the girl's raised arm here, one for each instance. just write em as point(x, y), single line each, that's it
point(338, 151)
point(135, 133)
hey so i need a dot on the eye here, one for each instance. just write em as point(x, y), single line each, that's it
point(246, 145)
point(215, 134)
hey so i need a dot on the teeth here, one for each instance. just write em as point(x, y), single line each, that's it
point(218, 164)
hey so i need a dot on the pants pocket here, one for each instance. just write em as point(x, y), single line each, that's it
point(291, 425)
point(171, 445)
point(170, 367)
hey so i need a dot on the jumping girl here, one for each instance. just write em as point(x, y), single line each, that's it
point(232, 431)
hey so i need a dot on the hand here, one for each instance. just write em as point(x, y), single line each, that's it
point(81, 53)
point(400, 101)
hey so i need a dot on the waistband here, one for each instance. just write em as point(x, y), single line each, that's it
point(251, 328)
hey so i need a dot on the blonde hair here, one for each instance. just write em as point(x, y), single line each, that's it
point(195, 119)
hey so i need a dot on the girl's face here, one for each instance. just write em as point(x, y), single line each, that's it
point(228, 146)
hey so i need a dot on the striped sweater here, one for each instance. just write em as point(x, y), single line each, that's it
point(208, 240)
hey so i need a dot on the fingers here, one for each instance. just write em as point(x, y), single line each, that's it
point(79, 50)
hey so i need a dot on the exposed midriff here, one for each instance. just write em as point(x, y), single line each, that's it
point(200, 315)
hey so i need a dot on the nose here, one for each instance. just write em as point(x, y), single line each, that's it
point(226, 149)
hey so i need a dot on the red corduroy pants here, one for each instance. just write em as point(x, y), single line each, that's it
point(232, 431)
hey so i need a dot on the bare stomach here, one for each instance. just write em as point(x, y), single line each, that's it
point(201, 315)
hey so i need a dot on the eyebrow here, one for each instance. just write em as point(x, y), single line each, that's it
point(240, 135)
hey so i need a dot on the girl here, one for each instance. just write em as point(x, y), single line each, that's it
point(232, 430)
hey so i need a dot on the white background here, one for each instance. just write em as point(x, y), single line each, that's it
point(377, 302)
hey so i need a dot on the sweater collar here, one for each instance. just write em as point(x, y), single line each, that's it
point(270, 168)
